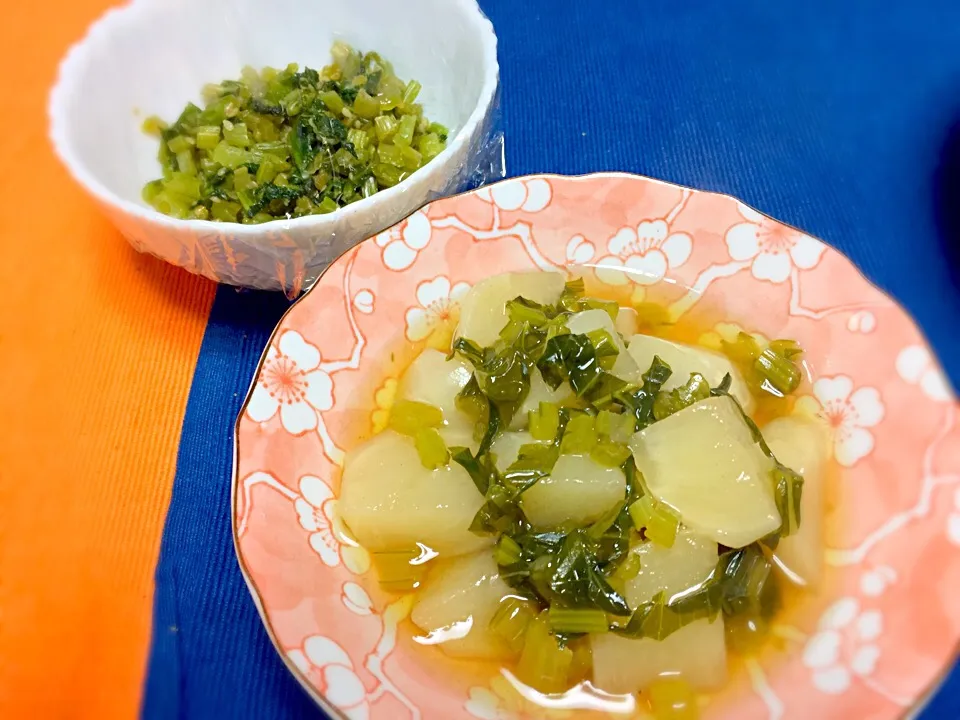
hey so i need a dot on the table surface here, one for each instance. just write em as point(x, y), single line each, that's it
point(122, 377)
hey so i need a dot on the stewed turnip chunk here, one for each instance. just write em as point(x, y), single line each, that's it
point(626, 322)
point(456, 603)
point(577, 492)
point(482, 311)
point(703, 462)
point(392, 502)
point(695, 652)
point(434, 380)
point(685, 360)
point(587, 321)
point(799, 444)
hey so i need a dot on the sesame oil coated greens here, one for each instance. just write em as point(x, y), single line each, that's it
point(288, 143)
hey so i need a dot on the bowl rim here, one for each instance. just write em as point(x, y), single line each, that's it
point(909, 713)
point(80, 51)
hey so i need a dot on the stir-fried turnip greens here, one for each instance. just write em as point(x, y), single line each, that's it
point(287, 143)
point(576, 575)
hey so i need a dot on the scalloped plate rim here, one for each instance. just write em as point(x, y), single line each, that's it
point(918, 703)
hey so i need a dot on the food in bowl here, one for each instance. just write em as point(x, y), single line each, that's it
point(289, 143)
point(599, 509)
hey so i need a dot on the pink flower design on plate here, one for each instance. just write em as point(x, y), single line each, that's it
point(356, 600)
point(402, 243)
point(643, 255)
point(293, 384)
point(848, 413)
point(439, 303)
point(330, 670)
point(531, 195)
point(843, 646)
point(917, 367)
point(317, 510)
point(772, 248)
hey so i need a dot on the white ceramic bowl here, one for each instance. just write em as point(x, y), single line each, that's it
point(152, 56)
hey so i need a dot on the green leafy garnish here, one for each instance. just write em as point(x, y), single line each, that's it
point(668, 402)
point(534, 461)
point(481, 467)
point(575, 358)
point(639, 401)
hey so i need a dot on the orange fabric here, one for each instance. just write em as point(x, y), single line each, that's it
point(97, 350)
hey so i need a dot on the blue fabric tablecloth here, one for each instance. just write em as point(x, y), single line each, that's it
point(838, 117)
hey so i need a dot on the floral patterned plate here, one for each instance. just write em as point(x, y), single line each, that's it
point(870, 645)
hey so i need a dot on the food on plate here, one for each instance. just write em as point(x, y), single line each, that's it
point(288, 143)
point(595, 509)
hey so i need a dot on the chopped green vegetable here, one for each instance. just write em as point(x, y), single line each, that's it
point(472, 401)
point(507, 552)
point(638, 401)
point(431, 448)
point(543, 664)
point(577, 359)
point(780, 375)
point(659, 522)
point(788, 486)
point(771, 370)
point(336, 136)
point(668, 402)
point(545, 421)
point(743, 351)
point(627, 570)
point(481, 468)
point(609, 453)
point(615, 426)
point(577, 580)
point(579, 435)
point(521, 311)
point(651, 315)
point(570, 620)
point(408, 417)
point(511, 621)
point(741, 584)
point(533, 462)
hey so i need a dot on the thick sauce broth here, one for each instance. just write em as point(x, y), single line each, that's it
point(474, 661)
